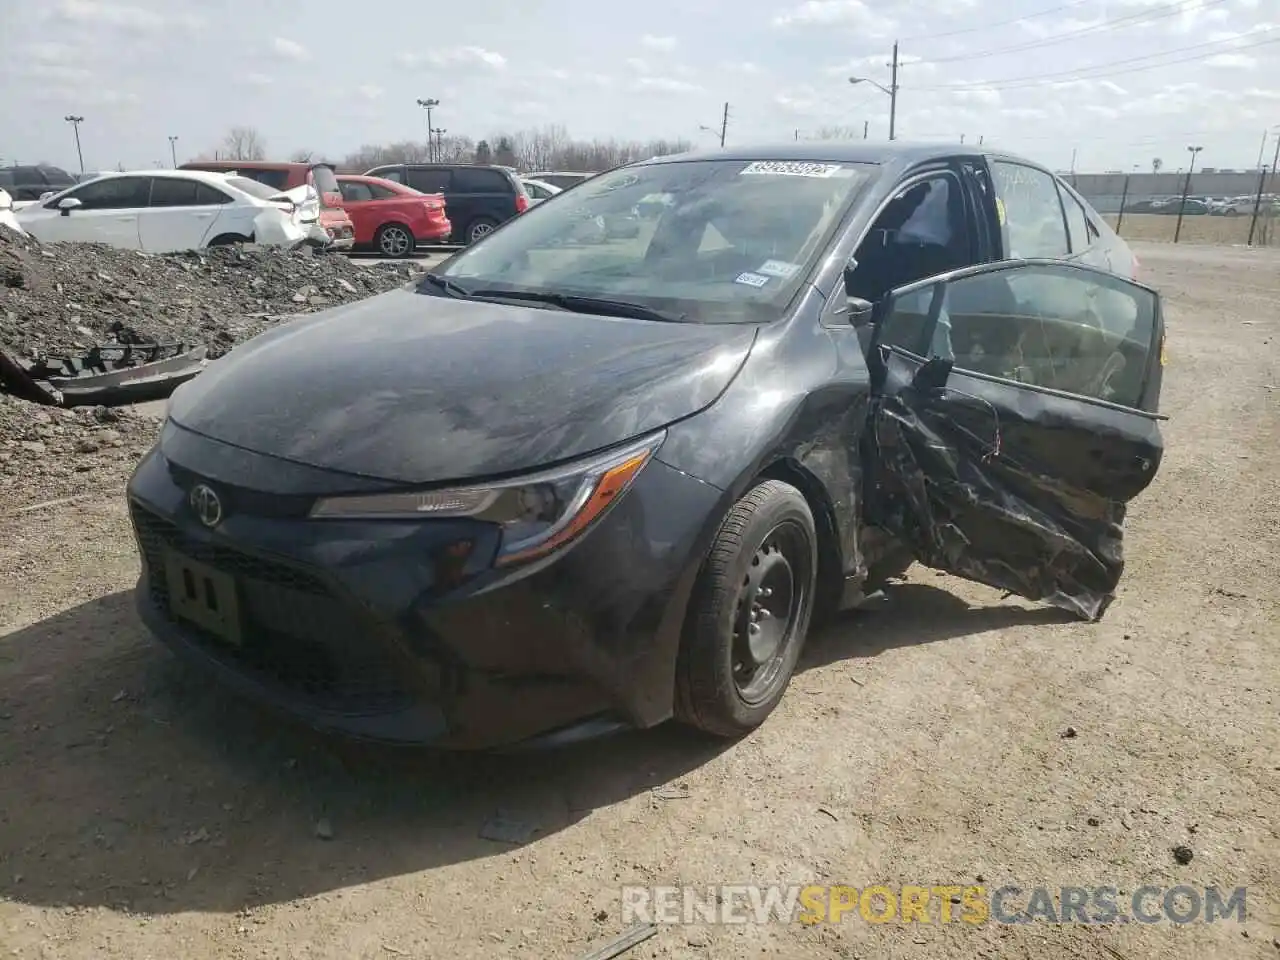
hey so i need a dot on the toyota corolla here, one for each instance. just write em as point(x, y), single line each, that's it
point(561, 486)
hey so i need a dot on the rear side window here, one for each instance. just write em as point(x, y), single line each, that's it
point(380, 192)
point(394, 174)
point(6, 179)
point(354, 191)
point(1030, 212)
point(478, 180)
point(55, 177)
point(173, 192)
point(207, 195)
point(429, 179)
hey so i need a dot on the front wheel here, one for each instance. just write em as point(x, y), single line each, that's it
point(750, 612)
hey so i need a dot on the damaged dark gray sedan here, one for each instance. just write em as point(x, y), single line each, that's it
point(565, 485)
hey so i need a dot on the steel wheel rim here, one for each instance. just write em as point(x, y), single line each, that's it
point(394, 242)
point(771, 597)
point(480, 230)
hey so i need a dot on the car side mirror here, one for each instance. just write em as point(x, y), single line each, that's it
point(932, 377)
point(67, 204)
point(860, 311)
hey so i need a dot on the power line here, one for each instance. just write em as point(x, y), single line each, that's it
point(1133, 19)
point(997, 23)
point(1035, 80)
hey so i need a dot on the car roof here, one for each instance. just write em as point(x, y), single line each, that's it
point(211, 177)
point(254, 164)
point(885, 152)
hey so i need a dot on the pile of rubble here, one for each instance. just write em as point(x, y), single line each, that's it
point(62, 299)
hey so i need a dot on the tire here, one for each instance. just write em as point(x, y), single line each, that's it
point(394, 240)
point(226, 239)
point(761, 571)
point(479, 228)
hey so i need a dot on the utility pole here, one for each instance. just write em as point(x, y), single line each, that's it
point(981, 137)
point(962, 139)
point(440, 143)
point(893, 92)
point(75, 121)
point(1073, 165)
point(427, 104)
point(1186, 188)
point(797, 133)
point(866, 126)
point(724, 123)
point(1124, 198)
point(1262, 178)
point(173, 151)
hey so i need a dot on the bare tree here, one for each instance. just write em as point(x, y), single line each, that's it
point(244, 143)
point(548, 148)
point(301, 156)
point(838, 133)
point(1156, 164)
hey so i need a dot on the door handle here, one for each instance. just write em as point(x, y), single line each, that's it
point(202, 216)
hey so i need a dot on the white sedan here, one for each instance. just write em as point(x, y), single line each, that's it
point(538, 190)
point(164, 211)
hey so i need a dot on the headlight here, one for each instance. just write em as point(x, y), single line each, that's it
point(537, 513)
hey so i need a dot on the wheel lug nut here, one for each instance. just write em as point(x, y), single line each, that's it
point(754, 628)
point(766, 591)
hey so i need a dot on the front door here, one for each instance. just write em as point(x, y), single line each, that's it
point(1014, 418)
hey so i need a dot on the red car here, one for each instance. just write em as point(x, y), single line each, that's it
point(390, 217)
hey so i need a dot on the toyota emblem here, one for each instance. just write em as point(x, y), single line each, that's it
point(207, 506)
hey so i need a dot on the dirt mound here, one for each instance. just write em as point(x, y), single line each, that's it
point(60, 299)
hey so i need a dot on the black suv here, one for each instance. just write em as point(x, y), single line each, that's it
point(29, 182)
point(477, 198)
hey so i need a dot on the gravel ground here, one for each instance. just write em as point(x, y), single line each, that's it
point(949, 736)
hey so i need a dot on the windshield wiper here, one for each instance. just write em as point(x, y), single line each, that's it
point(447, 285)
point(576, 304)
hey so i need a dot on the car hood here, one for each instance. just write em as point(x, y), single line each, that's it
point(413, 388)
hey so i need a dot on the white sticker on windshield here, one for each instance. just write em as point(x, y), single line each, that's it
point(778, 268)
point(796, 168)
point(751, 279)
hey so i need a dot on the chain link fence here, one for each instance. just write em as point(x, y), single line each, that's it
point(1214, 207)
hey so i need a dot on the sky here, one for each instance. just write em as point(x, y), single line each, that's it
point(1112, 83)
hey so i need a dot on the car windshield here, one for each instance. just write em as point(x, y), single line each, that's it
point(253, 188)
point(714, 241)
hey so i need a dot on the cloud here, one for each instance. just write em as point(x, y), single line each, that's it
point(1233, 61)
point(290, 49)
point(743, 66)
point(829, 13)
point(124, 17)
point(453, 57)
point(1107, 87)
point(370, 91)
point(861, 66)
point(638, 65)
point(985, 96)
point(666, 85)
point(258, 80)
point(665, 44)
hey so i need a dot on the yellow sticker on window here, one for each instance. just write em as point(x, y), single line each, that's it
point(1164, 354)
point(1000, 210)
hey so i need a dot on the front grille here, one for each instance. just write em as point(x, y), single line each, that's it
point(296, 634)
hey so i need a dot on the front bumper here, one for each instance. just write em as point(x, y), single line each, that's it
point(351, 626)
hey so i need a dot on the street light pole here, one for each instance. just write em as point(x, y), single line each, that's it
point(75, 122)
point(1186, 188)
point(427, 104)
point(890, 91)
point(173, 151)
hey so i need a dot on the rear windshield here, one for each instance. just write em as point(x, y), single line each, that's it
point(253, 188)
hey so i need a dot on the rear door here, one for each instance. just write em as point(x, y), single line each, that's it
point(179, 216)
point(1014, 418)
point(358, 200)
